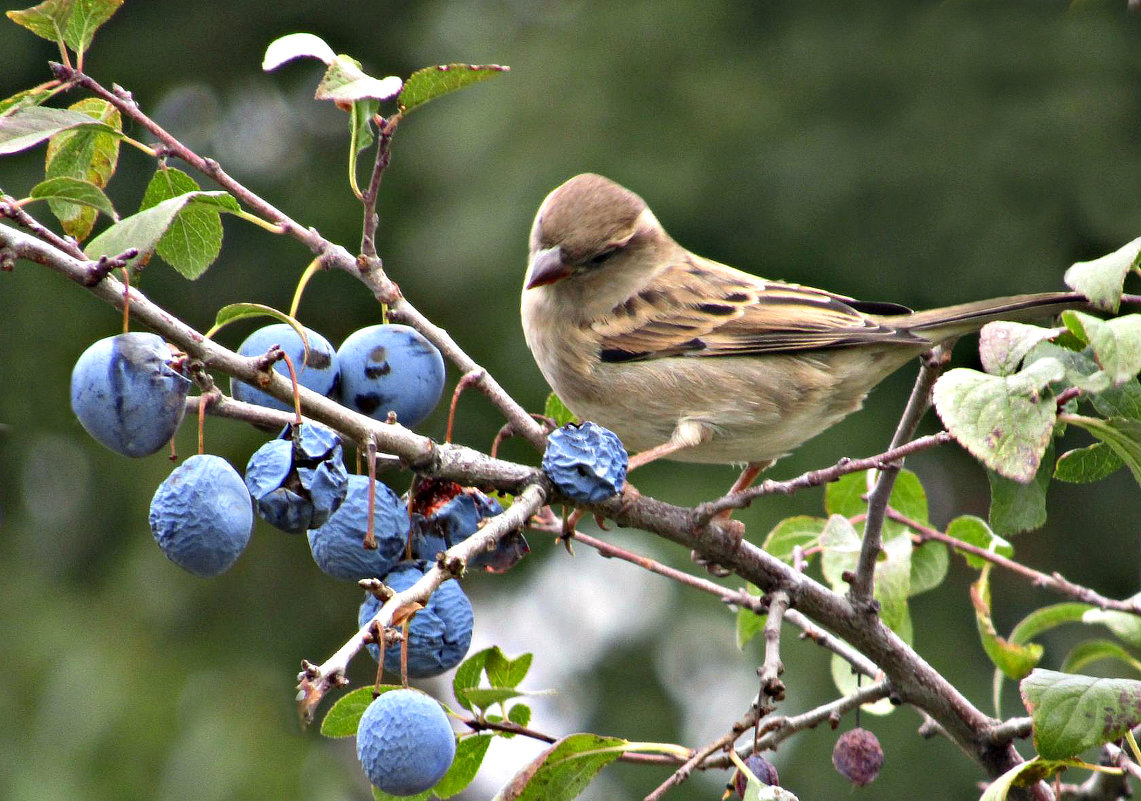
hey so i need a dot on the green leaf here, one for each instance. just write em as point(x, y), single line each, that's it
point(1122, 401)
point(47, 20)
point(1102, 279)
point(1071, 713)
point(360, 124)
point(841, 546)
point(504, 672)
point(344, 716)
point(1125, 626)
point(470, 752)
point(519, 714)
point(27, 127)
point(88, 155)
point(345, 82)
point(1016, 507)
point(1003, 345)
point(468, 675)
point(749, 623)
point(87, 16)
point(1120, 434)
point(484, 697)
point(1081, 369)
point(929, 563)
point(1086, 465)
point(1091, 651)
point(25, 99)
point(564, 770)
point(847, 683)
point(558, 411)
point(846, 497)
point(1000, 787)
point(1015, 660)
point(194, 238)
point(1048, 617)
point(380, 795)
point(1004, 422)
point(1116, 343)
point(799, 530)
point(144, 229)
point(74, 190)
point(432, 82)
point(975, 531)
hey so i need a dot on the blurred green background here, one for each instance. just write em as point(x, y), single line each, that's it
point(918, 152)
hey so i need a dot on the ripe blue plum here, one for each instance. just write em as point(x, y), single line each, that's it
point(201, 515)
point(319, 373)
point(390, 368)
point(404, 742)
point(127, 395)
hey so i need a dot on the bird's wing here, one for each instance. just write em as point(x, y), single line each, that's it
point(698, 307)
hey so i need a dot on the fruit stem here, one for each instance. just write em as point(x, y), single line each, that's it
point(296, 394)
point(312, 268)
point(126, 299)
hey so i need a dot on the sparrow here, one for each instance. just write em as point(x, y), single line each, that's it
point(688, 359)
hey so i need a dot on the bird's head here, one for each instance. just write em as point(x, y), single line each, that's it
point(590, 230)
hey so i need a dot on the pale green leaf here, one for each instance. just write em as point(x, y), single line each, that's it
point(1102, 279)
point(1003, 345)
point(85, 154)
point(432, 82)
point(848, 682)
point(1071, 713)
point(749, 623)
point(74, 190)
point(1125, 626)
point(28, 126)
point(564, 770)
point(1004, 422)
point(1091, 651)
point(345, 82)
point(974, 531)
point(792, 532)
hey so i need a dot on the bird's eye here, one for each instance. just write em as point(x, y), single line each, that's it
point(602, 256)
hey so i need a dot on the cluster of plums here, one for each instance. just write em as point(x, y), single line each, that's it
point(129, 392)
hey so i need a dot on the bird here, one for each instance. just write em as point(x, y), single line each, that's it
point(691, 360)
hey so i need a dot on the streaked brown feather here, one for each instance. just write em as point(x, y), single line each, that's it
point(701, 308)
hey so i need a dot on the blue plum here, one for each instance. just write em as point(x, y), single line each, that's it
point(390, 368)
point(319, 373)
point(337, 546)
point(404, 742)
point(440, 633)
point(298, 482)
point(127, 395)
point(201, 515)
point(586, 462)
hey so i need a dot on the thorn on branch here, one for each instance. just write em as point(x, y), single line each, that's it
point(106, 264)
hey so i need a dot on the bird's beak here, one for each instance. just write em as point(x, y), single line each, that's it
point(547, 266)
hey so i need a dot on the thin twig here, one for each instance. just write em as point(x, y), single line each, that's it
point(726, 741)
point(862, 583)
point(1056, 581)
point(772, 667)
point(815, 478)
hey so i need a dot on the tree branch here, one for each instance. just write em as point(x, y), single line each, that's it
point(862, 585)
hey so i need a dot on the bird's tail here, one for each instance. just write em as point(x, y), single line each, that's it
point(952, 321)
